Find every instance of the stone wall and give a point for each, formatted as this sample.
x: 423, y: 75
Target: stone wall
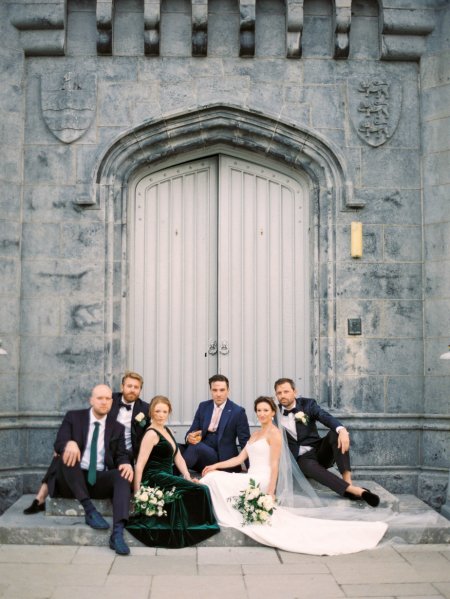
x: 319, y: 80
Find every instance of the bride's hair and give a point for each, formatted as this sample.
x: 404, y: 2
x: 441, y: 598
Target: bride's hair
x: 264, y: 399
x: 160, y: 399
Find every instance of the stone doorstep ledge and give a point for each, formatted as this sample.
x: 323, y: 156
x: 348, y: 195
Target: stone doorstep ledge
x: 71, y: 507
x: 414, y: 523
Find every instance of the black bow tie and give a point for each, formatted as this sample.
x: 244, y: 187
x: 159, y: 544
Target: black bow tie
x: 287, y: 412
x: 124, y: 405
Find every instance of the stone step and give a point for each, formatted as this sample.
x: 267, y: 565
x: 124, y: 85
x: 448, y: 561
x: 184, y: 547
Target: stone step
x: 411, y: 521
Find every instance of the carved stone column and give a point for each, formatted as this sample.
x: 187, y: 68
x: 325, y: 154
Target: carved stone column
x: 199, y: 27
x: 152, y: 18
x: 247, y: 28
x: 294, y: 28
x: 105, y: 16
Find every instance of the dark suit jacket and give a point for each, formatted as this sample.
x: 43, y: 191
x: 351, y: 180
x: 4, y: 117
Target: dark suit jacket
x: 75, y: 427
x: 307, y: 434
x: 137, y: 429
x: 233, y: 423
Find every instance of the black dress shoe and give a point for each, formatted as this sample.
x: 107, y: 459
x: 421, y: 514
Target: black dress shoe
x: 34, y: 508
x: 351, y: 496
x: 117, y: 544
x: 370, y: 498
x: 95, y: 520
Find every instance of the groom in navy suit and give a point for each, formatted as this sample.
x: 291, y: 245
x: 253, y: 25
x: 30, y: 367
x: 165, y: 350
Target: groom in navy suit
x: 217, y: 423
x: 315, y: 454
x: 93, y: 463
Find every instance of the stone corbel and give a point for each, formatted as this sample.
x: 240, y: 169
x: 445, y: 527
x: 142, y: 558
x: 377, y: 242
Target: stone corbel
x: 105, y: 16
x: 342, y: 21
x: 403, y: 32
x: 152, y: 18
x: 42, y: 27
x: 199, y: 27
x: 247, y: 28
x: 294, y: 28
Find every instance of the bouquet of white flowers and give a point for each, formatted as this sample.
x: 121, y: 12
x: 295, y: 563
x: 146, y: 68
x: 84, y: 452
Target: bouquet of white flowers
x: 150, y: 501
x: 253, y: 504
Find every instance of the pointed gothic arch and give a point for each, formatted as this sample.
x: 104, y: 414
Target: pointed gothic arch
x: 154, y: 143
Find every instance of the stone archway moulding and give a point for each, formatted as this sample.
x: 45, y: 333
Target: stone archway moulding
x: 156, y: 142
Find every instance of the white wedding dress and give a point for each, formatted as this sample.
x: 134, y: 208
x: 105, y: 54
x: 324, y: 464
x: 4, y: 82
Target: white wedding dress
x: 286, y: 530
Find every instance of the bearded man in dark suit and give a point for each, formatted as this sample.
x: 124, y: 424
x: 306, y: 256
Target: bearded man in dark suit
x: 315, y: 454
x: 93, y: 463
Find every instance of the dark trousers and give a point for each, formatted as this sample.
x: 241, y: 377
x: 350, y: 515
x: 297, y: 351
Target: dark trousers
x: 72, y: 482
x: 201, y: 454
x: 315, y: 463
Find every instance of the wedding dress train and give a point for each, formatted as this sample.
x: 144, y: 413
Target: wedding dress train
x: 287, y: 530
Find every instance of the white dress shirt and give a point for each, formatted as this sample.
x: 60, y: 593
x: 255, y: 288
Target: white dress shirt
x: 100, y: 443
x: 124, y: 417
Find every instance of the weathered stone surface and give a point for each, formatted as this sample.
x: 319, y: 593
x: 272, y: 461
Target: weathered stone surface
x: 404, y: 394
x: 393, y: 281
x: 44, y: 277
x: 49, y: 164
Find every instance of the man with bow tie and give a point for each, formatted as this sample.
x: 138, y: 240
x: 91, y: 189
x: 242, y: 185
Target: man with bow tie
x: 131, y: 411
x: 315, y: 454
x: 134, y: 417
x: 216, y: 425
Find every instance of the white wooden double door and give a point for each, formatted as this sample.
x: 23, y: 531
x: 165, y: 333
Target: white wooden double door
x: 219, y: 281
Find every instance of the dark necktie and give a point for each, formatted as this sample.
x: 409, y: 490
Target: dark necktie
x: 124, y: 405
x: 92, y: 472
x: 292, y: 411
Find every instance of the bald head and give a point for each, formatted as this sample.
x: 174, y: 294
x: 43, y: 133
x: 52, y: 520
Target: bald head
x: 101, y: 400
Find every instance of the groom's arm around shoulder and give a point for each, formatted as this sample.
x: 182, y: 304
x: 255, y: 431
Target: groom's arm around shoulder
x: 313, y: 410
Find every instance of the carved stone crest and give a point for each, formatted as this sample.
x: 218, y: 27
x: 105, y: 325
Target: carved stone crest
x: 68, y: 103
x: 375, y: 105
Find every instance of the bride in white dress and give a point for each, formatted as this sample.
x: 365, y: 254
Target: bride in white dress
x: 286, y: 530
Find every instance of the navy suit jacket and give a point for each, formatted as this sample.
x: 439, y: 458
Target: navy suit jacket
x: 233, y: 423
x: 307, y: 434
x: 137, y: 429
x: 75, y: 427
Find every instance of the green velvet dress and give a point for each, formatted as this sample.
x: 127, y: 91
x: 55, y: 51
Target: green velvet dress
x: 190, y: 518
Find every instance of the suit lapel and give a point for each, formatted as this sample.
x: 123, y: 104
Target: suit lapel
x: 85, y: 429
x: 226, y: 413
x: 209, y: 408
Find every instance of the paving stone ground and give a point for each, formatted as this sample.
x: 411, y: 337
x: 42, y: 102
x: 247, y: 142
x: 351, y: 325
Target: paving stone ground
x: 71, y: 572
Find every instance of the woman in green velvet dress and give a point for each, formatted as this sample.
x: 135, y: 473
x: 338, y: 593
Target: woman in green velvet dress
x: 190, y: 517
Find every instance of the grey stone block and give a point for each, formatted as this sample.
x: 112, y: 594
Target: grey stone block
x: 437, y: 243
x: 49, y: 164
x: 432, y: 488
x: 9, y: 314
x: 81, y: 30
x: 112, y: 109
x: 128, y: 36
x: 74, y: 277
x: 379, y: 356
x: 75, y: 390
x: 41, y: 240
x: 435, y: 285
x: 10, y: 163
x: 175, y: 28
x: 437, y: 317
x: 384, y: 281
x: 436, y: 448
x: 65, y: 355
x: 360, y: 394
x: 10, y: 491
x: 403, y: 318
x: 435, y: 69
x: 9, y: 275
x: 10, y: 200
x: 52, y: 204
x: 435, y: 207
x: 39, y: 393
x: 40, y: 318
x: 394, y: 206
x: 404, y: 394
x: 270, y: 34
x: 317, y: 36
x: 372, y: 242
x: 435, y: 102
x: 84, y: 242
x: 386, y: 448
x: 400, y: 168
x: 435, y: 168
x: 370, y: 312
x: 436, y: 394
x: 10, y: 392
x: 223, y: 33
x: 326, y: 105
x: 364, y: 37
x: 434, y: 348
x: 436, y: 135
x: 402, y: 244
x: 79, y: 318
x: 10, y: 442
x: 39, y: 447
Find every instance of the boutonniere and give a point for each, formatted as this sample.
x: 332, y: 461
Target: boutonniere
x: 302, y: 417
x: 140, y: 419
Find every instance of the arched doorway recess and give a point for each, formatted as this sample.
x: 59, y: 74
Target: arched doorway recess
x: 152, y: 146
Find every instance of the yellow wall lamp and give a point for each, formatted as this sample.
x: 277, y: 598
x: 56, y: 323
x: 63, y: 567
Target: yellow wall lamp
x: 356, y: 239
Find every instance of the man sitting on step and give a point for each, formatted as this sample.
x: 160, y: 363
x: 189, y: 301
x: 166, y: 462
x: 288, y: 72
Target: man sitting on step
x: 129, y: 410
x: 93, y: 463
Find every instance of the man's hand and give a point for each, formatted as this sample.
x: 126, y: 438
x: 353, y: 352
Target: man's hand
x: 194, y: 437
x: 71, y: 454
x: 126, y: 472
x: 343, y: 440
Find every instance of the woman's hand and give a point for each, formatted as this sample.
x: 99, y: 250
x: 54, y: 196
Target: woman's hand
x: 207, y: 469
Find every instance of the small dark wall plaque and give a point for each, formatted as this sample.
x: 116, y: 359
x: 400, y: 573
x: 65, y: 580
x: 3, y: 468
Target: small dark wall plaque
x: 354, y: 326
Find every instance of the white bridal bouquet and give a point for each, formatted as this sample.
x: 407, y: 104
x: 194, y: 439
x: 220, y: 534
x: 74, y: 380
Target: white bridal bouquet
x: 150, y: 501
x: 254, y: 506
